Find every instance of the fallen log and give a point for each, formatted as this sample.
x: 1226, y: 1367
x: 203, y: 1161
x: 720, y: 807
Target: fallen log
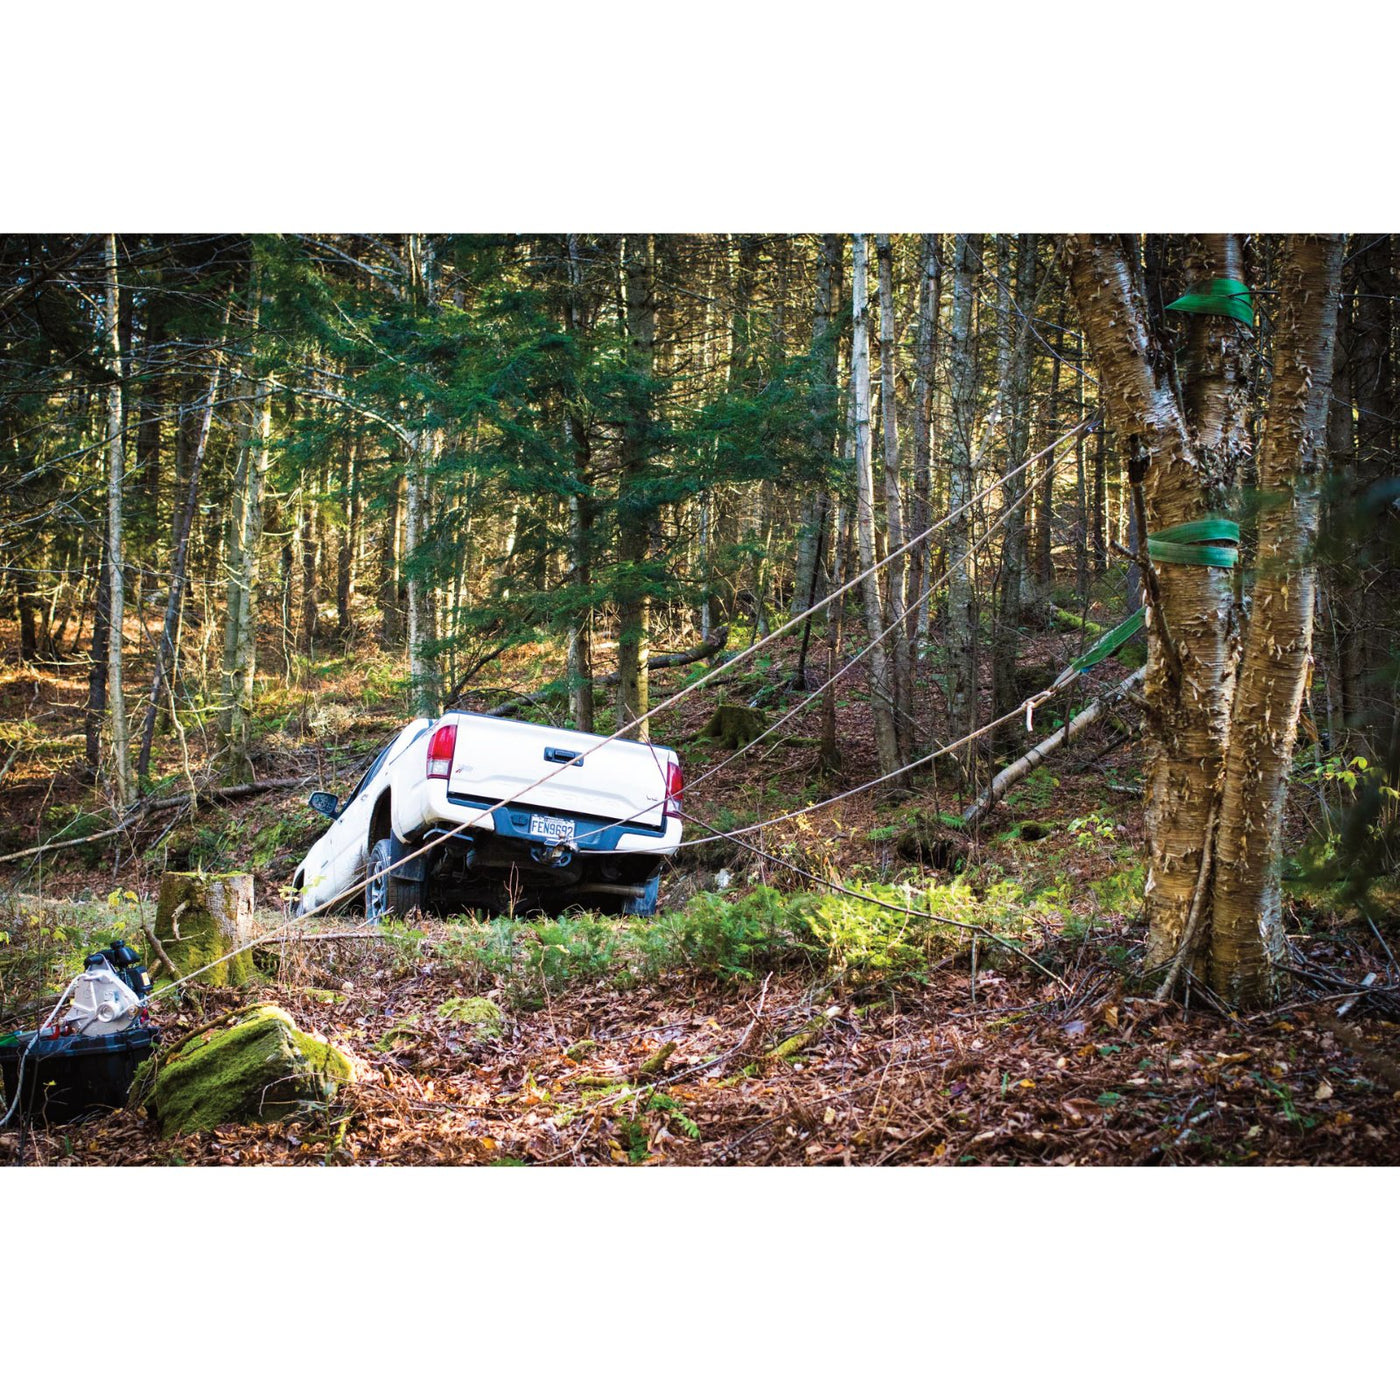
x: 711, y: 644
x: 162, y: 804
x: 1033, y: 758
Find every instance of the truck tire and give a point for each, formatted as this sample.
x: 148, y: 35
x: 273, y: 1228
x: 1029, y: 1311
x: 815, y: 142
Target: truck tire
x: 389, y: 896
x: 644, y: 904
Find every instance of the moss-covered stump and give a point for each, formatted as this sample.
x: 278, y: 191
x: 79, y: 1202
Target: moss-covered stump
x: 480, y: 1016
x: 201, y: 918
x: 258, y: 1068
x: 734, y: 725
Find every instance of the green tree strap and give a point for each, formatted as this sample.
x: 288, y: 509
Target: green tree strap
x: 1222, y: 296
x: 1179, y: 544
x: 1109, y: 642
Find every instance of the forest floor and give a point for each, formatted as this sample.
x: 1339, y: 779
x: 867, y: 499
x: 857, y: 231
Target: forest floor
x: 834, y: 1041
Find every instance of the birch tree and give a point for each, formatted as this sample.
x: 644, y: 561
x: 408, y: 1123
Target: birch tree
x: 1219, y: 738
x: 901, y: 652
x: 116, y: 594
x: 886, y: 731
x: 925, y: 353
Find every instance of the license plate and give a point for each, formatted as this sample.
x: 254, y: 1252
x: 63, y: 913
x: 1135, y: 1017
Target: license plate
x: 551, y: 828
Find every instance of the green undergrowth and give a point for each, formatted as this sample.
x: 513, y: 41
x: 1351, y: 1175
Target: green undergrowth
x: 860, y: 941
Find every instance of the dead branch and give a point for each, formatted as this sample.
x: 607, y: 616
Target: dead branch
x: 1033, y: 758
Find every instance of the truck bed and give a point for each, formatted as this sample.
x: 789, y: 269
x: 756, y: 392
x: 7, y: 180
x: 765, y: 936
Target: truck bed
x: 495, y: 758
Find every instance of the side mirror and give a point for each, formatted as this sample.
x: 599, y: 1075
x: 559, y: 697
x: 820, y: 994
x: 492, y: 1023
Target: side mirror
x: 326, y: 803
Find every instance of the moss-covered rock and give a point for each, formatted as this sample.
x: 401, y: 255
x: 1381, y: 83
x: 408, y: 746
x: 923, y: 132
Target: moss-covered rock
x: 482, y: 1016
x: 200, y: 919
x: 258, y: 1068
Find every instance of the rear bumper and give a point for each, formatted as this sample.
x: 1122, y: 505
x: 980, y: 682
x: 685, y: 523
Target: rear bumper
x: 592, y: 835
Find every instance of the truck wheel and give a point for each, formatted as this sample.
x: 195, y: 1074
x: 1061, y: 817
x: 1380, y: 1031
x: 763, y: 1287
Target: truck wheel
x: 386, y: 895
x: 644, y: 903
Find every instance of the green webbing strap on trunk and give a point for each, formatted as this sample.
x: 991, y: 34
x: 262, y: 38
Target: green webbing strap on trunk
x: 1180, y: 544
x: 1109, y: 643
x: 1222, y: 296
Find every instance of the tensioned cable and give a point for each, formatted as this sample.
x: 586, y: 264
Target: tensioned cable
x: 856, y: 659
x: 672, y: 700
x: 719, y: 670
x: 1033, y: 703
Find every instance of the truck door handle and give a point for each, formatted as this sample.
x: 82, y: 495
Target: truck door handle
x: 552, y: 755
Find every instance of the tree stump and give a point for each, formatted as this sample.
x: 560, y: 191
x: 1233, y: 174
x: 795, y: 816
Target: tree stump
x: 200, y: 918
x: 734, y: 725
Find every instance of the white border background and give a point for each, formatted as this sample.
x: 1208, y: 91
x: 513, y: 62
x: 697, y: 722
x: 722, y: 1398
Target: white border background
x: 726, y: 115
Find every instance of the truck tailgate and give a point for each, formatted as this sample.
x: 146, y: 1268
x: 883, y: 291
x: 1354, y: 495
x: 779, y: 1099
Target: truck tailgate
x: 495, y: 758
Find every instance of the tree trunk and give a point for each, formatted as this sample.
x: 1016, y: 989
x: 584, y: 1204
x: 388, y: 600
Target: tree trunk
x: 1247, y: 923
x: 901, y: 650
x: 1014, y: 501
x: 1219, y: 747
x: 580, y: 655
x: 808, y: 577
x: 390, y: 613
x: 121, y: 756
x: 97, y: 672
x: 245, y: 528
x: 1190, y: 678
x: 174, y: 605
x: 886, y: 731
x: 635, y: 511
x: 345, y: 554
x: 925, y: 349
x: 962, y: 599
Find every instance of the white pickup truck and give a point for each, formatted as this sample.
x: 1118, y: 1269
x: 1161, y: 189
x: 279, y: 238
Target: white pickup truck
x: 593, y: 833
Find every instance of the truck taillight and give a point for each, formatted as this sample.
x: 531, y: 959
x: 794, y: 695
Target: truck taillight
x: 674, y: 786
x: 440, y: 750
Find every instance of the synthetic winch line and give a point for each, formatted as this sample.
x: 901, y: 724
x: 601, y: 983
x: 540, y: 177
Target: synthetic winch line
x: 987, y: 535
x: 704, y: 680
x: 667, y: 703
x: 1034, y: 702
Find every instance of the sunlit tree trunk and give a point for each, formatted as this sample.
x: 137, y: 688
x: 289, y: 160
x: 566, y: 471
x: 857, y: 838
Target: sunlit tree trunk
x: 1220, y: 745
x: 901, y: 654
x: 635, y: 512
x: 1014, y: 499
x: 116, y: 703
x: 1247, y: 923
x: 962, y: 599
x: 1190, y: 683
x: 925, y: 350
x: 425, y: 443
x: 815, y: 531
x: 886, y: 734
x: 244, y: 546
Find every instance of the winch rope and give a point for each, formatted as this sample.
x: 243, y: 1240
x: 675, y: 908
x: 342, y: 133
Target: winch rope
x: 1032, y: 704
x: 810, y: 697
x: 759, y: 644
x: 704, y: 680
